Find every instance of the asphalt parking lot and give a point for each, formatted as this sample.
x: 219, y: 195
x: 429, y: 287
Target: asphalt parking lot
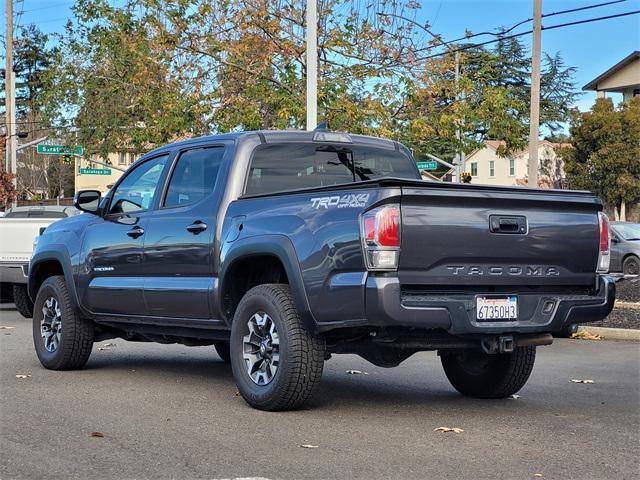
x: 170, y: 411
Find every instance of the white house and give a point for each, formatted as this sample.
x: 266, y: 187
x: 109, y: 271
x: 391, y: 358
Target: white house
x: 486, y: 167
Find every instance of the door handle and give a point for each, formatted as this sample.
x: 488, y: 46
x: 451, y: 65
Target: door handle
x: 513, y: 224
x: 136, y: 232
x: 197, y: 227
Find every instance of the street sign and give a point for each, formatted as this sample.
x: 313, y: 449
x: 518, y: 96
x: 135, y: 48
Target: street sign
x: 59, y: 150
x: 427, y: 165
x: 95, y: 171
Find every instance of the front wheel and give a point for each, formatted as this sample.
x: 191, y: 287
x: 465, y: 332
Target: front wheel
x: 477, y: 374
x: 276, y: 361
x: 62, y: 339
x: 631, y: 265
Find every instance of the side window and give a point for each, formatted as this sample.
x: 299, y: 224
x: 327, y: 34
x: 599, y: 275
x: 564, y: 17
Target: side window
x: 135, y: 193
x: 194, y: 176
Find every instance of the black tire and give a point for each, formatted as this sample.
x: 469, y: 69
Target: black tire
x: 76, y: 338
x: 301, y: 354
x: 477, y: 374
x: 631, y: 265
x: 6, y: 293
x: 24, y: 305
x: 223, y: 351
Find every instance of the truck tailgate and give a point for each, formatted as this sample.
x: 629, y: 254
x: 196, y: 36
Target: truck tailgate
x: 491, y: 236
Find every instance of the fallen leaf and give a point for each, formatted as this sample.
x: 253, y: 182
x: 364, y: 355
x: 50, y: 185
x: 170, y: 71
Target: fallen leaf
x: 356, y: 372
x: 309, y: 446
x: 537, y: 475
x: 23, y: 376
x: 514, y: 396
x: 106, y: 346
x: 448, y: 429
x: 97, y: 434
x: 586, y: 335
x: 2, y: 327
x: 577, y: 380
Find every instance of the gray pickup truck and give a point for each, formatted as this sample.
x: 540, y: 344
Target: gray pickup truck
x: 282, y: 248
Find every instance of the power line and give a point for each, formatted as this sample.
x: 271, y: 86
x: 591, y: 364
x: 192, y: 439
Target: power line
x: 515, y: 35
x: 514, y: 26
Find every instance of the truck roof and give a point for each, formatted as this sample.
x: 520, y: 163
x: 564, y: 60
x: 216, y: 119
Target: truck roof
x: 273, y: 136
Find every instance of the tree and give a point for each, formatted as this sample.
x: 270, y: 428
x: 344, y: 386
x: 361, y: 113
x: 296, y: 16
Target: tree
x: 7, y: 190
x: 605, y: 153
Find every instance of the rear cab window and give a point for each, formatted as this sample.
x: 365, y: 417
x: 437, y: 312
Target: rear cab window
x: 293, y: 166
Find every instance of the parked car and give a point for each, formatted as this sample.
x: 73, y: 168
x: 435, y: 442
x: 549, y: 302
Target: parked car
x: 625, y: 248
x: 18, y: 228
x: 282, y: 248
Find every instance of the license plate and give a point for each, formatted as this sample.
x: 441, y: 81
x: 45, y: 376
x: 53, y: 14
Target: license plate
x: 490, y: 309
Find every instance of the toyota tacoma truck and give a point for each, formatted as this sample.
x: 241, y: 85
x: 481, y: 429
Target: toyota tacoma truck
x: 281, y: 248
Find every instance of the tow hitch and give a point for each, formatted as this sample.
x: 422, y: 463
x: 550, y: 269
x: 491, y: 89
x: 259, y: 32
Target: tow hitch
x: 508, y: 343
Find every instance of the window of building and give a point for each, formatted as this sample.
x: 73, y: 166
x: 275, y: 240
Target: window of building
x: 512, y: 167
x: 132, y: 157
x: 474, y: 169
x: 194, y: 176
x: 492, y: 168
x: 122, y: 158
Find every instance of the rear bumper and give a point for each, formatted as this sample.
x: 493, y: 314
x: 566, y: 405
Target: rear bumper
x: 14, y: 272
x: 456, y: 314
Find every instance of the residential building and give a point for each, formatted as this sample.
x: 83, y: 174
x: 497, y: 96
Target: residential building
x: 487, y: 167
x: 91, y: 175
x: 623, y: 77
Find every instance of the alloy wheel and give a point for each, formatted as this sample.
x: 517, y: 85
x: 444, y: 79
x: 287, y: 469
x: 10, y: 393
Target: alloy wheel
x: 51, y: 324
x: 261, y: 349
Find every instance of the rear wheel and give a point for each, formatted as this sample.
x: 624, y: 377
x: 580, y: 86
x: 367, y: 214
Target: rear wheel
x: 276, y: 362
x: 631, y: 265
x: 62, y: 339
x: 481, y: 375
x: 24, y: 305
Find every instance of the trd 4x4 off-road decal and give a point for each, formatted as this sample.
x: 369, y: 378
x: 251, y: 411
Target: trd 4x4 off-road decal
x: 351, y: 200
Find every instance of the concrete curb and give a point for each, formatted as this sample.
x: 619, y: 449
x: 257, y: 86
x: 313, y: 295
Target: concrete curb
x: 613, y: 333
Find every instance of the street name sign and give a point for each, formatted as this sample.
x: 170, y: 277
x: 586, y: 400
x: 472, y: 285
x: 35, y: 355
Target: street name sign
x: 95, y: 171
x: 427, y: 165
x: 59, y: 150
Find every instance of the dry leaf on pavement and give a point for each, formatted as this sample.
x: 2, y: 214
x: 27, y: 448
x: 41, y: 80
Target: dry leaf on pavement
x: 448, y: 429
x: 586, y: 335
x: 2, y: 327
x: 537, y: 475
x: 106, y: 346
x: 97, y: 434
x: 23, y: 376
x: 309, y: 446
x: 514, y: 396
x: 577, y: 380
x: 356, y: 372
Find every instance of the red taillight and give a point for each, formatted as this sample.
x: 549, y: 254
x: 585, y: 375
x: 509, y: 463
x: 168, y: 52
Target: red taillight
x: 604, y: 257
x: 381, y: 237
x: 604, y: 233
x: 389, y: 227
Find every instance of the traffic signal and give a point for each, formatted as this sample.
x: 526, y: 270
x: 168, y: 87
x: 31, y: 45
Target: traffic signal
x: 465, y: 177
x: 67, y: 158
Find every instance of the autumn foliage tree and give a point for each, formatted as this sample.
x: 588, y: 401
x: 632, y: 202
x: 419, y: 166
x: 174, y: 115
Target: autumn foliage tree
x: 605, y: 153
x: 144, y: 72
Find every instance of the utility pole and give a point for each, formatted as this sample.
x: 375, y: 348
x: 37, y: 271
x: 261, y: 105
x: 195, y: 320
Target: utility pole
x: 460, y: 155
x: 312, y: 65
x: 534, y: 117
x: 10, y: 96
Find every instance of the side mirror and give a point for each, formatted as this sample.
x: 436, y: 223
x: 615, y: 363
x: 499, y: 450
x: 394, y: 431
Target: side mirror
x: 87, y: 201
x: 615, y: 239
